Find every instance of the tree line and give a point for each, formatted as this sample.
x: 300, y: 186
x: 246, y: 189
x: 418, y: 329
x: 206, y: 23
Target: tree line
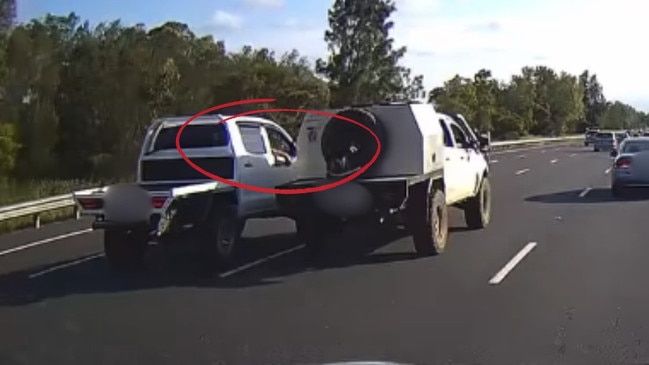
x: 75, y: 98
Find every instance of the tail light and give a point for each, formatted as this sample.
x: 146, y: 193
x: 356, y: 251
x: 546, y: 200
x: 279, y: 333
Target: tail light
x: 90, y: 203
x: 623, y: 163
x: 158, y: 202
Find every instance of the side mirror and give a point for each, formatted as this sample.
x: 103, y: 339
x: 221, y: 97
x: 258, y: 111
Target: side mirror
x: 613, y: 153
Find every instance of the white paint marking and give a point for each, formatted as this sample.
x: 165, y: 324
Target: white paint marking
x: 520, y: 172
x: 607, y: 171
x: 573, y: 154
x: 493, y: 161
x: 520, y: 156
x: 260, y: 261
x: 500, y: 276
x: 44, y: 241
x: 586, y: 191
x: 63, y: 266
x: 554, y: 161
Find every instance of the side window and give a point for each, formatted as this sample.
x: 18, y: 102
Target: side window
x: 461, y: 139
x: 278, y: 142
x: 253, y: 141
x: 448, y: 140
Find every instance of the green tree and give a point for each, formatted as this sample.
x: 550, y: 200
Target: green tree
x: 363, y: 65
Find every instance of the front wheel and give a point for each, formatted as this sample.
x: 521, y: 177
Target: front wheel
x: 125, y: 249
x: 477, y: 212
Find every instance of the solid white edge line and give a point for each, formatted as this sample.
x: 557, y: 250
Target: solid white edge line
x: 520, y: 172
x: 44, y: 241
x: 586, y: 191
x: 500, y: 276
x: 260, y: 261
x: 63, y: 266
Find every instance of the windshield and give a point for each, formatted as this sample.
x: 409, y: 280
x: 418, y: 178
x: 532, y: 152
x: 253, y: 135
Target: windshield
x: 193, y: 136
x: 605, y: 135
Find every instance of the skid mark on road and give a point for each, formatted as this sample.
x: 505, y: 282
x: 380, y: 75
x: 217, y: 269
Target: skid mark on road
x: 500, y: 275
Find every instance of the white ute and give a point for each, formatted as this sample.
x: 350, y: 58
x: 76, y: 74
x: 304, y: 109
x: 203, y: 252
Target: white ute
x: 172, y: 200
x: 428, y: 161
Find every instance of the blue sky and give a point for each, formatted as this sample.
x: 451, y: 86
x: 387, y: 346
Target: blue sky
x: 444, y: 37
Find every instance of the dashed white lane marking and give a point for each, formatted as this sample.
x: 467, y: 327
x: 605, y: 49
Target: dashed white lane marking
x: 260, y: 261
x: 44, y: 241
x: 573, y: 154
x: 493, y: 161
x: 63, y: 266
x: 584, y: 192
x: 607, y: 171
x: 520, y: 172
x: 521, y: 156
x: 500, y: 275
x: 554, y: 161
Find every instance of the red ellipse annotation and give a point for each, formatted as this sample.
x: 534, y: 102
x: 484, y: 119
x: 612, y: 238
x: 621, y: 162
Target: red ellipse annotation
x: 266, y: 189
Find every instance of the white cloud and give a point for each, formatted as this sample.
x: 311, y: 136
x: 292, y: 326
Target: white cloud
x: 224, y: 20
x: 265, y: 3
x: 604, y: 36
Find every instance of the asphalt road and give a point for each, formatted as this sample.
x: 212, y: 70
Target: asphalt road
x: 557, y: 278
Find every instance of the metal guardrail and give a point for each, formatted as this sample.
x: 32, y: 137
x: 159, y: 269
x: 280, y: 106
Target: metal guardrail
x: 37, y: 207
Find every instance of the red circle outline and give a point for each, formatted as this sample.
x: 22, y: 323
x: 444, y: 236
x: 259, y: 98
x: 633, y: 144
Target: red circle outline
x: 272, y: 190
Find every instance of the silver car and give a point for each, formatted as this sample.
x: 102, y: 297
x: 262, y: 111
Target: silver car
x: 630, y: 165
x: 605, y: 141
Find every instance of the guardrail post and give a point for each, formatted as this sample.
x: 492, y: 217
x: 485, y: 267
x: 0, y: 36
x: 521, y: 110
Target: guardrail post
x: 37, y: 221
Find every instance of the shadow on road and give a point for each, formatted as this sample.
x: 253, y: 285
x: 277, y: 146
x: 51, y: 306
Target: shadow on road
x: 93, y: 276
x: 599, y: 195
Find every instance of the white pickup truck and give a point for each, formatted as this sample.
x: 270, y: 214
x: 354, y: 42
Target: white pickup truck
x: 428, y: 161
x: 170, y: 199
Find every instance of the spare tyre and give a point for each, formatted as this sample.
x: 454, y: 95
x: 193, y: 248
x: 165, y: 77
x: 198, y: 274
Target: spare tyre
x: 347, y: 147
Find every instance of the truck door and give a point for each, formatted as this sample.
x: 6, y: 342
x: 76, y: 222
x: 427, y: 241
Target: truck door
x: 254, y: 168
x: 453, y: 164
x: 284, y: 153
x: 470, y: 160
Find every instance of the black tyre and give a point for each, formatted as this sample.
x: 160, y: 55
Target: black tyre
x: 617, y: 191
x: 313, y: 232
x: 125, y: 249
x: 477, y: 212
x: 220, y: 242
x: 427, y: 221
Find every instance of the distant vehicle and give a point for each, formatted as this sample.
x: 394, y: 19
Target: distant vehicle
x: 621, y: 136
x: 631, y: 165
x: 589, y: 137
x: 605, y: 141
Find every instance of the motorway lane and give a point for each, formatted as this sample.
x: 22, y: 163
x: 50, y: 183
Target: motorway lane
x: 388, y: 306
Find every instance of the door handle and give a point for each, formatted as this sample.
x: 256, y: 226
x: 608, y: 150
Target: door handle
x: 247, y: 164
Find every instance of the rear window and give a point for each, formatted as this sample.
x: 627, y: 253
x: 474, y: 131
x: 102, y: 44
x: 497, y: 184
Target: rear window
x: 604, y: 135
x: 193, y: 136
x: 635, y: 147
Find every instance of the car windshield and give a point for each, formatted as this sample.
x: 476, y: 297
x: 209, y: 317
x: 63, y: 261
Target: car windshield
x: 635, y: 146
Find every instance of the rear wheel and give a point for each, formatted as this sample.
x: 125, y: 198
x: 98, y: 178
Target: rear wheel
x: 427, y: 221
x: 125, y: 249
x: 617, y: 191
x: 221, y: 240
